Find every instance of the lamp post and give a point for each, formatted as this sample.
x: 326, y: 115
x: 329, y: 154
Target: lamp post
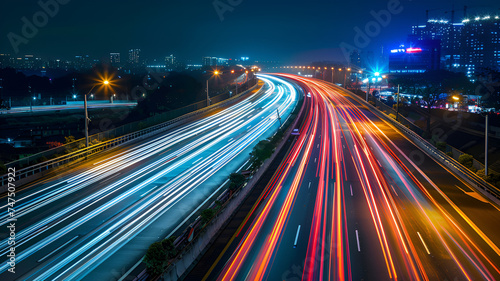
x: 105, y: 83
x: 345, y: 76
x: 216, y: 72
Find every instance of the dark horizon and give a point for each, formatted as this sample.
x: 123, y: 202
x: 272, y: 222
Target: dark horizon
x: 286, y: 31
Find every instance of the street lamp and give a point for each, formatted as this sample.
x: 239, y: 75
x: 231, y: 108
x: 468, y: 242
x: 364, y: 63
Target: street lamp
x: 345, y: 76
x: 105, y: 83
x: 216, y: 72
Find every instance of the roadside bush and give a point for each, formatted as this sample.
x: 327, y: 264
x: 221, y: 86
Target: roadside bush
x: 236, y: 180
x: 207, y: 215
x: 449, y: 153
x: 467, y: 160
x: 441, y: 145
x: 155, y: 258
x: 262, y: 151
x: 493, y: 177
x: 158, y: 254
x: 69, y: 139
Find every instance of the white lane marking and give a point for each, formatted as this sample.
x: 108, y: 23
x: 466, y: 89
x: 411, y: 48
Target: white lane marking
x: 148, y: 191
x: 394, y: 190
x: 427, y: 249
x: 309, y: 185
x: 357, y: 239
x: 343, y: 146
x: 317, y: 146
x: 197, y: 161
x: 351, y: 189
x: 296, y: 237
x: 379, y: 164
x: 315, y: 160
x: 57, y: 249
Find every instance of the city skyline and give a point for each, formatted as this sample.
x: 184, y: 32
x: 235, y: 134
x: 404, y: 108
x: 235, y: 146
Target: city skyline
x: 206, y: 28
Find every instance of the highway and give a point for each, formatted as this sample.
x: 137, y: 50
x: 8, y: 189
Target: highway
x: 356, y: 200
x: 96, y: 220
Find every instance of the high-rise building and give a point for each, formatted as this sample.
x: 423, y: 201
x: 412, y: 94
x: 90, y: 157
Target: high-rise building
x: 5, y: 60
x: 134, y: 56
x: 355, y: 58
x: 449, y: 35
x: 115, y: 58
x: 222, y: 62
x: 416, y: 57
x: 209, y: 61
x: 170, y: 61
x: 480, y: 44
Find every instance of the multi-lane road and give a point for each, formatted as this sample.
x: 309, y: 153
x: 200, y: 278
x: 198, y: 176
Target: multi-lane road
x: 96, y: 220
x: 356, y: 200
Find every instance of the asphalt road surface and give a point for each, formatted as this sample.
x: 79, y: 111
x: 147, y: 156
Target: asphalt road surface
x: 96, y: 220
x: 355, y: 200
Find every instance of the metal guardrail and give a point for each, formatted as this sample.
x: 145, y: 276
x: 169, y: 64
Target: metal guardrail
x: 442, y: 157
x: 85, y: 152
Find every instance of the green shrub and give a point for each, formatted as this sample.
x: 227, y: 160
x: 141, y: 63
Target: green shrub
x: 236, y: 181
x: 158, y: 254
x: 69, y: 139
x: 155, y: 258
x: 441, y: 145
x: 493, y: 177
x: 449, y: 153
x: 262, y: 151
x: 207, y: 215
x: 467, y: 160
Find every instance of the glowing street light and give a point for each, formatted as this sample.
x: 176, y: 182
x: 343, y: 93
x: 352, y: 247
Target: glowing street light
x: 456, y: 98
x: 102, y: 83
x: 216, y: 73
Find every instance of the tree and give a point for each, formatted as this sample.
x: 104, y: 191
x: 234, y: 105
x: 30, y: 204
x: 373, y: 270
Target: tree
x: 207, y: 215
x: 158, y: 254
x: 467, y: 160
x: 236, y: 180
x: 262, y: 151
x: 155, y: 258
x: 169, y: 247
x: 488, y: 86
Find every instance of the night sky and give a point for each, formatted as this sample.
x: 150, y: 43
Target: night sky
x: 284, y: 30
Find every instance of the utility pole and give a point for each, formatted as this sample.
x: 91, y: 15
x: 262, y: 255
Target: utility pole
x: 86, y: 122
x: 397, y: 106
x: 208, y: 98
